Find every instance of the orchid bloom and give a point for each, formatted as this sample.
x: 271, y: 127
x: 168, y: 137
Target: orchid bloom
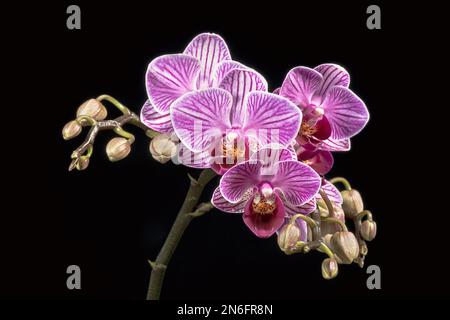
x: 231, y: 122
x: 268, y: 188
x: 203, y: 64
x: 332, y: 113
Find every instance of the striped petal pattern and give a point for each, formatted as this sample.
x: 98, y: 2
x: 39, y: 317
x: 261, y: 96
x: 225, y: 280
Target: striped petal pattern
x: 223, y: 69
x: 332, y: 192
x: 199, y: 118
x: 271, y: 118
x: 333, y: 75
x: 297, y: 182
x: 210, y: 50
x: 221, y: 203
x: 169, y: 77
x: 155, y: 120
x: 239, y: 179
x: 240, y: 82
x: 300, y: 85
x: 335, y: 145
x: 345, y: 111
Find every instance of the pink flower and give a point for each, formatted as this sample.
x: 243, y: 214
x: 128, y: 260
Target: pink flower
x: 268, y: 188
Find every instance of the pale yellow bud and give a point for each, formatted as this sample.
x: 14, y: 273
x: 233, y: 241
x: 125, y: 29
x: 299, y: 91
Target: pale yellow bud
x: 368, y: 230
x: 163, y: 147
x: 71, y: 130
x: 117, y: 149
x: 82, y: 163
x: 329, y: 268
x: 345, y: 246
x: 353, y: 203
x: 288, y: 236
x: 92, y: 108
x: 327, y: 227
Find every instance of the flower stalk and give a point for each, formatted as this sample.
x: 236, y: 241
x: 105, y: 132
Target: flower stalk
x: 184, y: 217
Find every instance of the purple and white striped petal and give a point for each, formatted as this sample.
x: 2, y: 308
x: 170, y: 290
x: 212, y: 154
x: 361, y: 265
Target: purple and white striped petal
x: 199, y: 118
x: 223, y: 69
x: 333, y: 75
x: 169, y: 77
x: 155, y: 120
x: 332, y: 192
x: 239, y: 179
x: 240, y: 82
x: 334, y: 145
x: 272, y: 154
x: 305, y: 208
x: 300, y: 85
x: 345, y: 111
x: 277, y: 90
x: 221, y: 203
x: 271, y: 118
x: 209, y: 49
x: 297, y: 182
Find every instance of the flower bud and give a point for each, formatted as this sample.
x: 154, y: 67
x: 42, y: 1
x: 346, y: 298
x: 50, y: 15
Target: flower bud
x: 163, y: 147
x: 117, y: 149
x: 368, y: 230
x: 71, y: 130
x: 82, y: 163
x: 353, y: 203
x: 327, y: 227
x: 288, y: 236
x: 329, y: 268
x: 345, y: 246
x: 92, y: 108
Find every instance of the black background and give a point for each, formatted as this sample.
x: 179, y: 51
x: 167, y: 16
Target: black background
x: 112, y: 217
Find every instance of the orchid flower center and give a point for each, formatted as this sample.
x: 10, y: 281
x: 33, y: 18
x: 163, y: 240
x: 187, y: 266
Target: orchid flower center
x: 264, y: 201
x: 233, y: 147
x: 311, y: 115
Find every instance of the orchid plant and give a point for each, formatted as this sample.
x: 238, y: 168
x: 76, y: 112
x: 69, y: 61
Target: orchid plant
x: 270, y: 149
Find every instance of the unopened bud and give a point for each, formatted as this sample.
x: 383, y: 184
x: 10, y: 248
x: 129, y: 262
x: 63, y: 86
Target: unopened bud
x: 92, y: 108
x: 352, y: 203
x: 288, y: 236
x: 71, y: 130
x: 327, y: 227
x: 368, y: 230
x: 163, y: 147
x: 82, y: 163
x: 329, y: 268
x: 345, y: 246
x: 117, y: 149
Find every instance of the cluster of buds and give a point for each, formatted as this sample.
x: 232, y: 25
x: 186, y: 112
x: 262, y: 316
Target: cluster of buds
x: 91, y: 114
x: 327, y: 231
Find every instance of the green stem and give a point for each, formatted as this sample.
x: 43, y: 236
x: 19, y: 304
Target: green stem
x: 184, y: 217
x: 334, y: 220
x: 114, y: 102
x: 343, y: 181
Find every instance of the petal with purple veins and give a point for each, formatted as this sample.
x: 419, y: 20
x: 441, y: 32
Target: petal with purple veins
x: 296, y: 181
x: 300, y: 85
x: 239, y: 179
x: 332, y: 192
x: 223, y: 69
x: 345, y: 111
x: 199, y: 118
x: 271, y: 118
x: 155, y: 120
x: 334, y: 145
x: 333, y: 75
x: 169, y: 77
x: 210, y: 50
x: 221, y: 203
x: 240, y: 82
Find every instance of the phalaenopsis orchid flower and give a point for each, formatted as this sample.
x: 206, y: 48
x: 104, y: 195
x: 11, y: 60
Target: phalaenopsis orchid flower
x: 268, y: 188
x: 272, y: 149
